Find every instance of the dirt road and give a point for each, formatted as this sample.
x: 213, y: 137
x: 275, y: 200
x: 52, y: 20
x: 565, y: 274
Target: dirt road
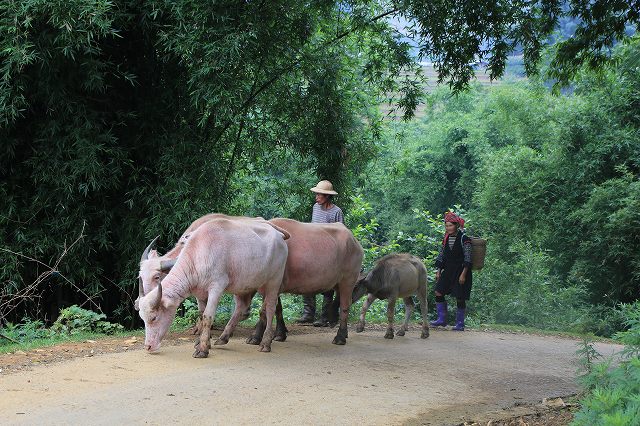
x: 446, y: 379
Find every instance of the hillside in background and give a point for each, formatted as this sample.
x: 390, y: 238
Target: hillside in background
x: 513, y: 72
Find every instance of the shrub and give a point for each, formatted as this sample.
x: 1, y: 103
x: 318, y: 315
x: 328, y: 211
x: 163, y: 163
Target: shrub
x: 612, y: 390
x: 74, y: 319
x: 25, y: 331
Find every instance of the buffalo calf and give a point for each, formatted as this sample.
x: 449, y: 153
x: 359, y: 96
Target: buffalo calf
x: 395, y: 275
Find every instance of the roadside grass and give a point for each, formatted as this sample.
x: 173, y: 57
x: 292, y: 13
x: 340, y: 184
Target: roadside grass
x: 520, y: 329
x: 180, y: 325
x: 32, y: 334
x: 6, y: 346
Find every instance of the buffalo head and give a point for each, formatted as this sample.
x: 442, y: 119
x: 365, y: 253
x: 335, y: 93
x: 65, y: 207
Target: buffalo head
x: 153, y: 269
x: 158, y: 313
x: 361, y: 288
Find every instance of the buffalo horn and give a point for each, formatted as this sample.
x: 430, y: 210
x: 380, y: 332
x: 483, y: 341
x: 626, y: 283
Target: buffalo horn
x: 145, y: 254
x: 166, y: 265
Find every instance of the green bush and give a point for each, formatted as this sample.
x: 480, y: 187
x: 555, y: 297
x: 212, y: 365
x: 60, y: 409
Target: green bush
x: 74, y: 320
x: 25, y: 331
x: 612, y: 390
x: 187, y: 315
x: 526, y: 292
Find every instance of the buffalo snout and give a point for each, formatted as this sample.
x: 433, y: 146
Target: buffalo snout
x: 151, y: 349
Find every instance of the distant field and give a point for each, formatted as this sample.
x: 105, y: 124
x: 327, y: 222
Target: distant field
x: 513, y: 72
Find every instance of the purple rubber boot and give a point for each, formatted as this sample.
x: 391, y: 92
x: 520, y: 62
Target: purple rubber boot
x: 442, y: 315
x: 459, y: 320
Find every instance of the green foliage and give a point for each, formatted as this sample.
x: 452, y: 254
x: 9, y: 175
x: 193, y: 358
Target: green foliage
x: 523, y: 291
x: 631, y: 336
x: 25, y: 331
x: 122, y: 120
x: 74, y: 320
x: 550, y: 181
x: 187, y: 315
x: 613, y: 388
x: 366, y: 229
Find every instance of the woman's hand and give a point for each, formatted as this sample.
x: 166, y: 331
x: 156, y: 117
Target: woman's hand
x: 463, y: 276
x: 438, y: 275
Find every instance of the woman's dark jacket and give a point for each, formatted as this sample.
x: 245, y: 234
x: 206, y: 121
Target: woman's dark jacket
x: 452, y: 261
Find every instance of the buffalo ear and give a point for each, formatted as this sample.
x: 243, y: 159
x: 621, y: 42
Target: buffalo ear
x: 166, y: 265
x: 136, y: 303
x: 158, y: 299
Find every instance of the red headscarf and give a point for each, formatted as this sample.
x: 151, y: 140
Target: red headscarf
x: 453, y: 218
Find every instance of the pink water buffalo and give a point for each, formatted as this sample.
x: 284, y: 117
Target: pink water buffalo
x: 395, y: 275
x: 158, y: 266
x: 321, y: 257
x: 221, y: 255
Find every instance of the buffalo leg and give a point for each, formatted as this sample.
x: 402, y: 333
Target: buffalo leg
x: 258, y: 332
x: 281, y: 328
x: 269, y: 303
x: 422, y: 298
x: 202, y: 349
x: 391, y: 310
x: 363, y: 312
x: 408, y: 310
x: 345, y: 289
x: 242, y: 302
x: 333, y: 310
x: 198, y: 327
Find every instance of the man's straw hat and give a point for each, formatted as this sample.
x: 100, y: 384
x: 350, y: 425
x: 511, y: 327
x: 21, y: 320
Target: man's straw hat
x: 324, y: 187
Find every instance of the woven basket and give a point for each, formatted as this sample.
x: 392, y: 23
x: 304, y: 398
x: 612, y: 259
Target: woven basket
x: 478, y: 251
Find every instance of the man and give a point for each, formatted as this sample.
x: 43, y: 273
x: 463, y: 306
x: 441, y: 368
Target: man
x: 324, y: 211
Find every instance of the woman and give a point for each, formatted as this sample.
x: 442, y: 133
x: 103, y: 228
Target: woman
x: 453, y: 275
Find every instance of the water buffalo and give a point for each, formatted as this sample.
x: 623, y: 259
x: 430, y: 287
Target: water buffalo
x: 321, y: 257
x: 221, y: 255
x: 395, y: 275
x: 159, y: 265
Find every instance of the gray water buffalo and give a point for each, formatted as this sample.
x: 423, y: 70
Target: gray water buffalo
x: 221, y: 255
x: 395, y: 275
x: 321, y: 257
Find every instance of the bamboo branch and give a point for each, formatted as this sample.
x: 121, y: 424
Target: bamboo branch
x: 30, y: 291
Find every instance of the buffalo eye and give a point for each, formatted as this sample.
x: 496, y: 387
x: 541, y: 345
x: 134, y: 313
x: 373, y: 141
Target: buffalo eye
x: 155, y: 317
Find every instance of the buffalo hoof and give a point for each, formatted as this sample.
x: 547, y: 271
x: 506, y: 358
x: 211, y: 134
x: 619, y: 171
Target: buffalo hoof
x: 265, y: 348
x: 359, y: 328
x: 200, y: 354
x: 253, y: 340
x: 339, y: 340
x: 280, y: 338
x: 389, y: 334
x: 221, y: 341
x: 425, y: 334
x: 400, y: 332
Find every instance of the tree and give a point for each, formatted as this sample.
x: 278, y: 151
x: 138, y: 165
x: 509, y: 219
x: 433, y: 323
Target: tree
x: 128, y: 119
